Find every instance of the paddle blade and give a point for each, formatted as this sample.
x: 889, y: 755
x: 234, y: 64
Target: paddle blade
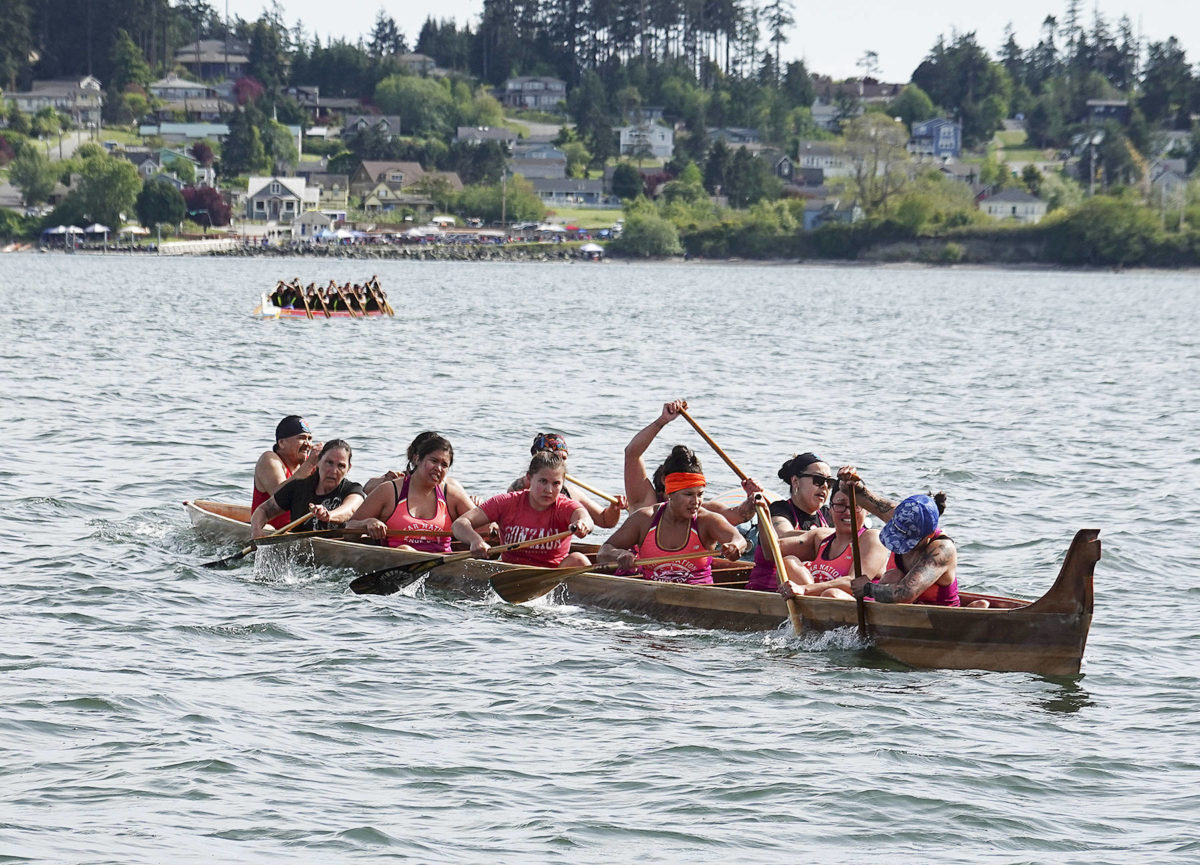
x: 230, y: 561
x: 385, y: 582
x: 518, y: 585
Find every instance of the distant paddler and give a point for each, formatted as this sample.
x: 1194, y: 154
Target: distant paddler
x: 420, y: 499
x: 604, y: 516
x: 679, y: 525
x: 539, y: 511
x: 326, y: 494
x: 294, y: 453
x: 642, y: 491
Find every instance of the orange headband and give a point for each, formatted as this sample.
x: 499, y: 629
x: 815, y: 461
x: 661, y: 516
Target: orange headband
x: 676, y: 481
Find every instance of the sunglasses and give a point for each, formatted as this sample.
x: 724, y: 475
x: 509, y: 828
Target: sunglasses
x: 820, y: 480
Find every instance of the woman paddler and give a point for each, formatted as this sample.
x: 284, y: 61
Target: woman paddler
x: 809, y: 479
x: 923, y: 566
x: 539, y: 511
x: 679, y: 525
x: 828, y: 556
x: 326, y: 493
x: 604, y: 516
x: 294, y: 453
x: 419, y: 499
x: 641, y: 491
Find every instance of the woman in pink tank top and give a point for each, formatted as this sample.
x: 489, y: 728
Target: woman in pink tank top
x: 419, y: 500
x: 679, y: 525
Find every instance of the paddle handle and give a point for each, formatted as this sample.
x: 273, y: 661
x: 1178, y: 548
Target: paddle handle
x: 712, y: 444
x: 288, y: 527
x: 532, y: 542
x: 590, y: 489
x: 860, y: 600
x: 766, y: 532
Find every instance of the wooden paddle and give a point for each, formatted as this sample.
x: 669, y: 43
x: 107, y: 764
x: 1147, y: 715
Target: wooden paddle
x: 376, y: 290
x: 712, y: 444
x: 254, y: 542
x: 342, y: 295
x: 320, y: 297
x: 592, y: 490
x: 859, y: 598
x: 388, y: 581
x: 349, y: 533
x: 766, y: 533
x: 519, y: 585
x: 304, y: 298
x: 362, y: 306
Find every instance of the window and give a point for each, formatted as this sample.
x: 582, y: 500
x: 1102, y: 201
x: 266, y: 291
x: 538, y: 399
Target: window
x: 275, y: 188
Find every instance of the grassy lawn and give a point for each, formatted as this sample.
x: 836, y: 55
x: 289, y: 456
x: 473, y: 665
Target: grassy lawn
x: 119, y: 135
x: 1011, y: 139
x: 1028, y: 154
x: 585, y: 217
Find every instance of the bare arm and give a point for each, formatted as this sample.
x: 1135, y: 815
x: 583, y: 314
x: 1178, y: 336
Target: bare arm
x: 371, y: 485
x: 638, y: 488
x: 880, y: 506
x: 464, y: 529
x: 715, y: 529
x: 262, y: 515
x: 370, y: 514
x: 620, y: 544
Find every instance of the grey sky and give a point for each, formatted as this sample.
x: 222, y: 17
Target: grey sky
x: 831, y: 37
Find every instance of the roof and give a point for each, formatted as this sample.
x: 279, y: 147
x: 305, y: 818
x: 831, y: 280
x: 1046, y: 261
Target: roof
x: 1014, y: 196
x: 174, y: 80
x: 412, y: 171
x: 487, y: 133
x: 569, y: 184
x: 294, y: 185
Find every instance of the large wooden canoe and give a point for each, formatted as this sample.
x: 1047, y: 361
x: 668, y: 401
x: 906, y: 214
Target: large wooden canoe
x: 1045, y: 636
x: 267, y: 309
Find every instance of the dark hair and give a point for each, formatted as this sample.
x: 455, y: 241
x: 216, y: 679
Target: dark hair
x: 681, y: 459
x: 337, y: 443
x: 546, y: 460
x: 425, y: 444
x: 796, y: 465
x: 939, y: 499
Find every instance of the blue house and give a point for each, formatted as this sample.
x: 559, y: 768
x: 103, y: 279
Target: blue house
x: 940, y: 137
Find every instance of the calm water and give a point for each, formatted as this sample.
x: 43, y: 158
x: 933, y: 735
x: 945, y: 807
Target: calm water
x: 157, y: 711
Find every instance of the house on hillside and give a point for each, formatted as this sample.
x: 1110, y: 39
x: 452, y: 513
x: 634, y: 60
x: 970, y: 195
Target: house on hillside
x: 939, y: 137
x: 1100, y: 110
x: 307, y: 225
x: 542, y: 160
x: 415, y: 64
x: 647, y: 139
x: 732, y: 136
x: 214, y: 59
x: 571, y: 192
x: 479, y: 134
x: 537, y: 92
x: 395, y: 175
x: 278, y: 199
x: 387, y: 125
x: 1014, y: 205
x: 333, y: 191
x: 825, y: 155
x: 80, y: 99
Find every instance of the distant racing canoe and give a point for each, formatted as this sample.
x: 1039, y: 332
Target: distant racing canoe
x: 266, y: 309
x: 1045, y: 636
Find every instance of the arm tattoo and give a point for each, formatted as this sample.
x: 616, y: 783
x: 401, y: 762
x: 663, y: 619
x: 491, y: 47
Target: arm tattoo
x: 880, y: 506
x: 929, y: 566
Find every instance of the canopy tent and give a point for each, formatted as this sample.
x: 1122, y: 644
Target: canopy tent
x: 545, y: 226
x: 74, y: 229
x: 58, y: 229
x: 97, y: 228
x: 444, y: 220
x: 592, y: 249
x: 133, y: 229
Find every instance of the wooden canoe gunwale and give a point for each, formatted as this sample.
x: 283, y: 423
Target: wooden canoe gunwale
x: 1046, y: 636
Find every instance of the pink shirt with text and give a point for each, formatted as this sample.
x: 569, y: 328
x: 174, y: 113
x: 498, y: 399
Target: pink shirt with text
x: 518, y: 522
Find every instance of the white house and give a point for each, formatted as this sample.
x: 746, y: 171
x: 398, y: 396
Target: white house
x: 647, y: 139
x: 78, y: 98
x: 826, y: 156
x: 279, y: 199
x: 540, y: 92
x: 1013, y: 205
